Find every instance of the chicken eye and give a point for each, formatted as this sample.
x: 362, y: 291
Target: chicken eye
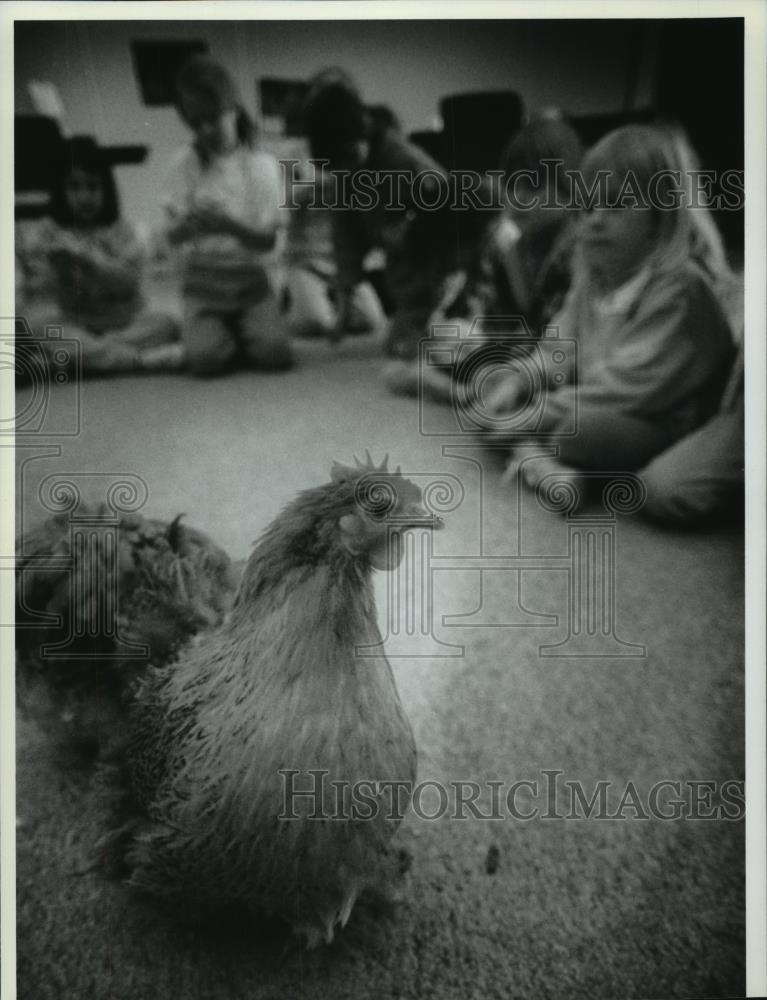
x: 376, y: 497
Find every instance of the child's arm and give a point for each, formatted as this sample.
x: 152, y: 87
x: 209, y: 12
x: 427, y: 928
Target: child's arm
x: 213, y: 220
x: 350, y: 245
x: 119, y: 259
x: 179, y: 230
x: 506, y: 391
x: 255, y: 226
x: 668, y: 355
x: 114, y: 261
x: 258, y: 226
x: 179, y: 224
x: 34, y: 276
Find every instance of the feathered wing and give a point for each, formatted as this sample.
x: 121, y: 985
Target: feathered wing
x: 215, y: 739
x: 136, y: 595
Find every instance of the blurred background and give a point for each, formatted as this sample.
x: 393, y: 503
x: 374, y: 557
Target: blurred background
x: 459, y: 88
x: 577, y: 910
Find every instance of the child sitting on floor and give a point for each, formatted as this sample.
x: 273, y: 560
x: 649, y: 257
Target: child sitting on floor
x: 406, y: 205
x: 222, y: 206
x: 80, y: 269
x: 526, y: 270
x: 646, y: 311
x: 699, y: 480
x: 523, y: 270
x: 311, y: 299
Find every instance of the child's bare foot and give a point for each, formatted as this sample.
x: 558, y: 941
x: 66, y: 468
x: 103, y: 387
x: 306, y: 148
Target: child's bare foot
x: 558, y: 486
x: 164, y: 358
x: 407, y: 378
x: 401, y: 377
x: 437, y: 385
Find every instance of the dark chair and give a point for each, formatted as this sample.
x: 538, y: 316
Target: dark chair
x: 432, y: 143
x: 38, y: 150
x: 591, y: 128
x: 37, y: 154
x: 477, y: 127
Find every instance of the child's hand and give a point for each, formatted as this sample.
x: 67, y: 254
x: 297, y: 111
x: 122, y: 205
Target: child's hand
x: 465, y: 327
x: 210, y: 219
x: 65, y: 243
x: 502, y: 397
x: 199, y: 221
x: 59, y: 256
x: 338, y: 330
x: 70, y: 264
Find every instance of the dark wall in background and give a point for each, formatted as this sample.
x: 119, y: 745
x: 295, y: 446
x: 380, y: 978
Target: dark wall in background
x: 690, y: 69
x: 409, y: 65
x: 700, y: 83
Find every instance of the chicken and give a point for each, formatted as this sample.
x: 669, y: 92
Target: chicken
x: 279, y: 687
x: 171, y: 581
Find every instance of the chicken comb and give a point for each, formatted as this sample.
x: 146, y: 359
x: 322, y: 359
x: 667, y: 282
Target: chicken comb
x: 340, y: 473
x: 175, y: 532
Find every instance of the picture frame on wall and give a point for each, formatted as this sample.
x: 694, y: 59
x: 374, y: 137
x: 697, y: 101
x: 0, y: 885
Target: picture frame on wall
x: 156, y: 64
x: 282, y: 103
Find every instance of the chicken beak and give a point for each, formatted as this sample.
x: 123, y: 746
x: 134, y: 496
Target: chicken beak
x: 417, y: 516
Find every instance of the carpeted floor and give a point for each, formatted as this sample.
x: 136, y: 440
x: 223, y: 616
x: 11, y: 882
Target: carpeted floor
x: 489, y: 908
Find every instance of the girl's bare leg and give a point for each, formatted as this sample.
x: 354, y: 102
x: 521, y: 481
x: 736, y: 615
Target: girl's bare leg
x: 99, y: 354
x: 263, y: 336
x: 157, y: 339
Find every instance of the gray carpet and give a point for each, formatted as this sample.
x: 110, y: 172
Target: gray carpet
x: 489, y: 908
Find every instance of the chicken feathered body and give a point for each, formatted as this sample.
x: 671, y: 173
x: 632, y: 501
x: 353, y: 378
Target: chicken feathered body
x: 163, y: 582
x: 278, y: 688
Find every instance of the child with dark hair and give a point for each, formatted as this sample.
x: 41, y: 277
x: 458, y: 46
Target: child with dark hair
x: 337, y: 121
x: 85, y: 186
x: 527, y: 270
x: 81, y: 270
x: 222, y: 208
x: 382, y: 117
x: 314, y: 306
x: 407, y: 208
x: 310, y: 297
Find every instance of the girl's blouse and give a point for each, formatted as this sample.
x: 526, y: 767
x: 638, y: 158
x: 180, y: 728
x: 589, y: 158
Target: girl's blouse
x: 659, y: 347
x: 245, y: 184
x: 106, y: 294
x: 521, y: 273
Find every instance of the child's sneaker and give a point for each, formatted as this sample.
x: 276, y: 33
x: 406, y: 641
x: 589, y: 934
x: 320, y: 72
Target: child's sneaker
x: 406, y: 378
x: 558, y: 486
x: 165, y: 358
x: 401, y: 377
